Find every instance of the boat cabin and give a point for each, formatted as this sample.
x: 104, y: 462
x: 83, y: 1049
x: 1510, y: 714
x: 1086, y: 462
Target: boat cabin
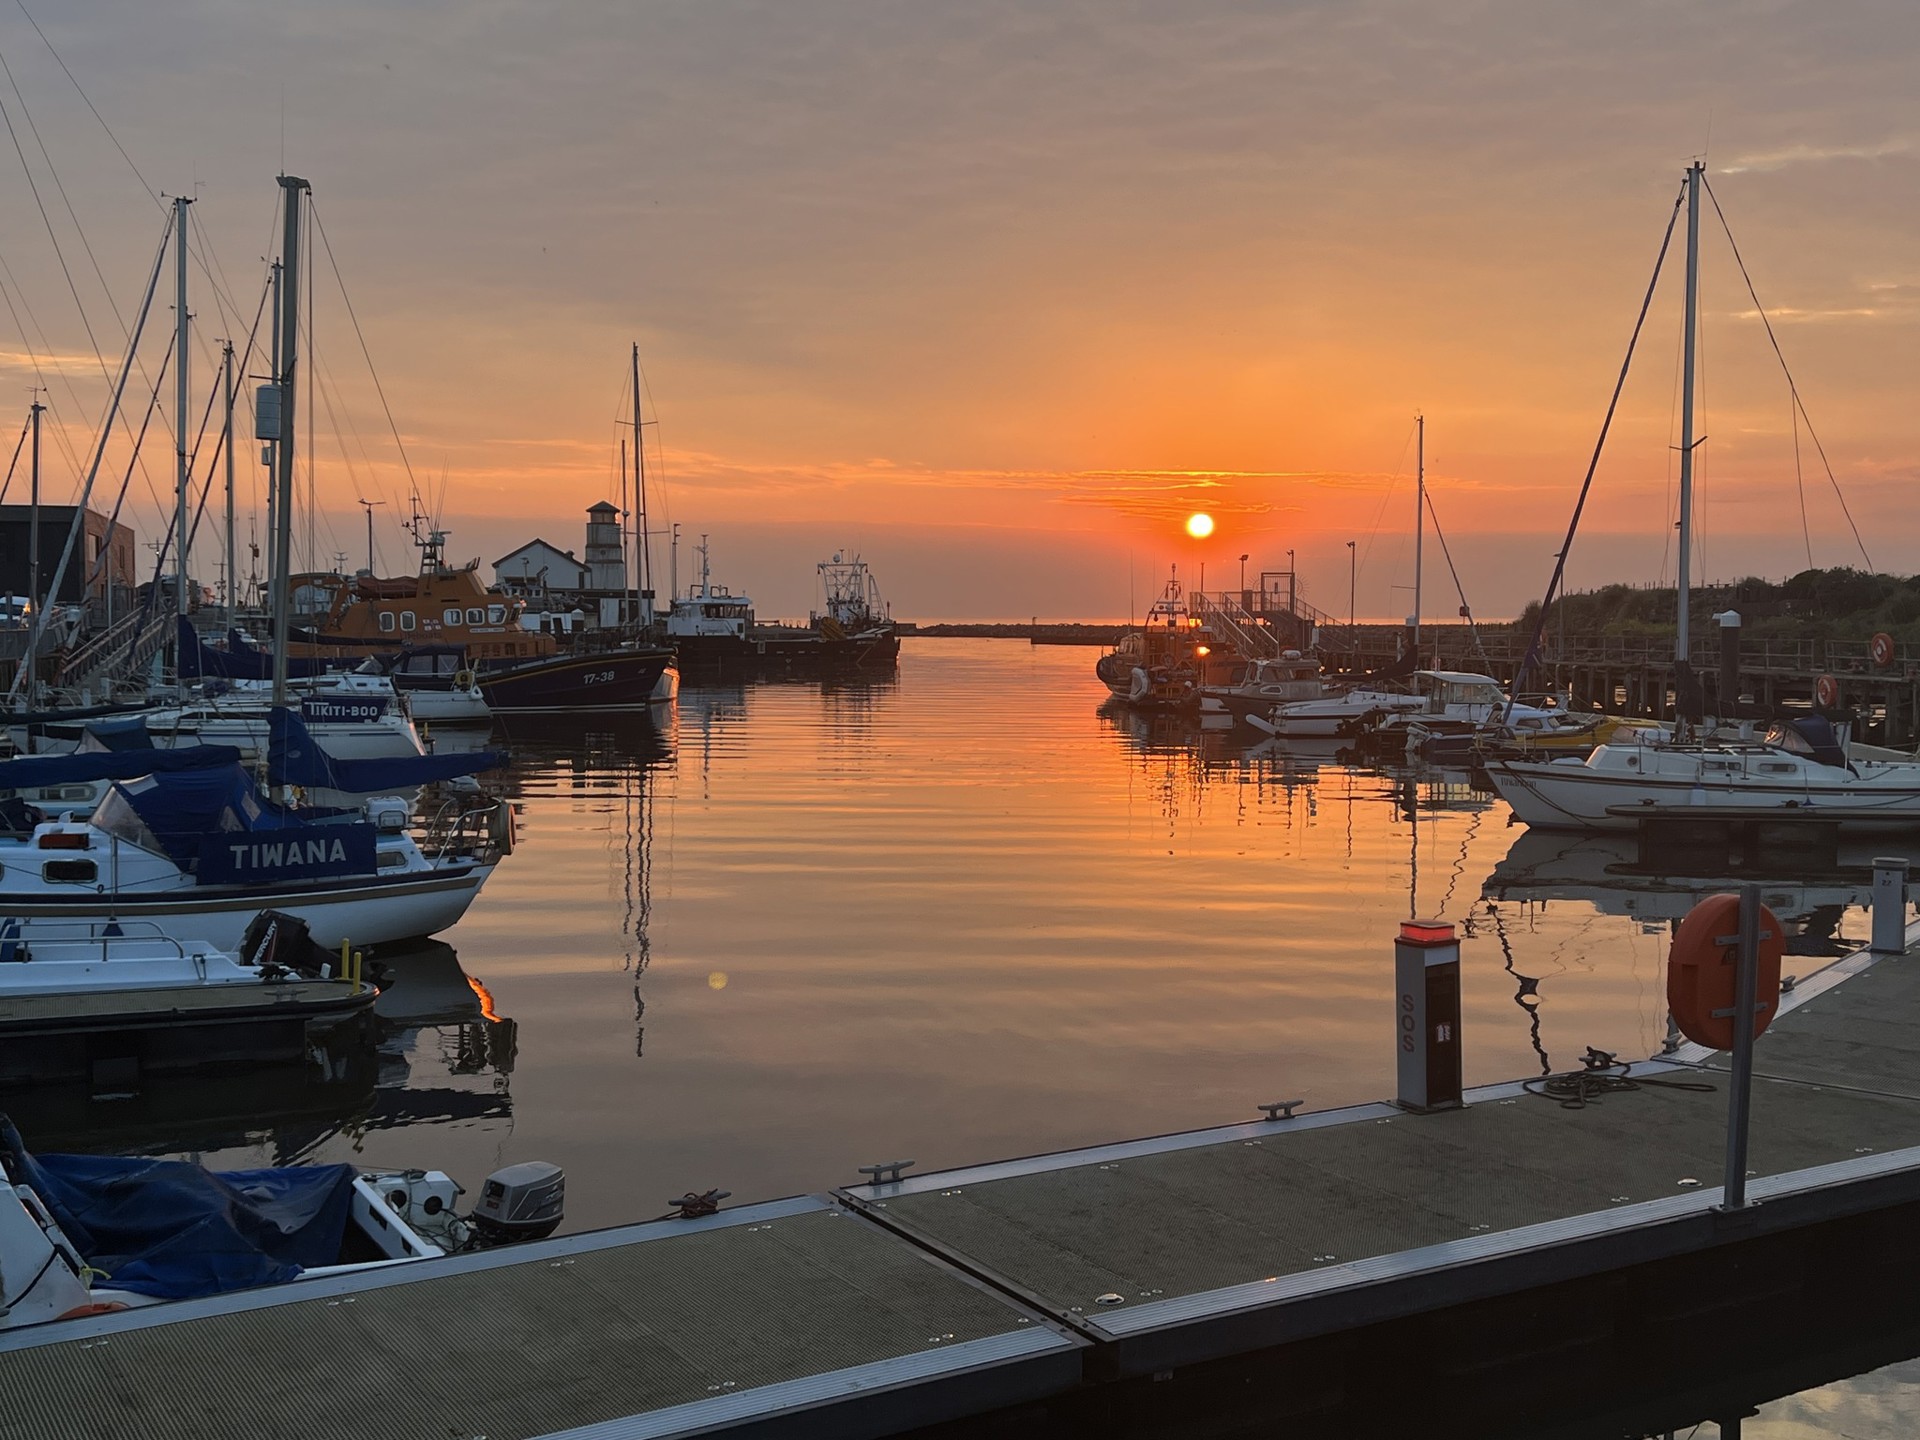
x: 442, y: 605
x: 1457, y: 690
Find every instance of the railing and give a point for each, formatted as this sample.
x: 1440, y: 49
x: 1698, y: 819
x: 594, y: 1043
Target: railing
x: 1225, y: 615
x: 477, y: 828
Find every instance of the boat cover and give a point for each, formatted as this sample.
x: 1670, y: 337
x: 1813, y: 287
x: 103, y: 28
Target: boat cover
x: 241, y: 660
x: 294, y: 757
x: 124, y: 733
x: 30, y: 771
x: 175, y: 1231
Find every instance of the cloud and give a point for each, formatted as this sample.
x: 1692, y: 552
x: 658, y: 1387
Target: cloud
x: 1817, y: 155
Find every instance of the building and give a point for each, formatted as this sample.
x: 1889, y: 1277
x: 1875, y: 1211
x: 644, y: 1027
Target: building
x: 102, y: 566
x: 606, y: 556
x: 538, y: 568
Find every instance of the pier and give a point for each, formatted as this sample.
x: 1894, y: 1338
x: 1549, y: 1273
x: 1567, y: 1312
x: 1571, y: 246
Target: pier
x: 1368, y: 1250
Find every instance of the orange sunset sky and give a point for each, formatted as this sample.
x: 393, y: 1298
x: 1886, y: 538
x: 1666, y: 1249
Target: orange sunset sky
x: 997, y: 293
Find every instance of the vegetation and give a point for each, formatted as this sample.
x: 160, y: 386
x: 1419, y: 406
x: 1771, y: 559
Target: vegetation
x: 1814, y: 605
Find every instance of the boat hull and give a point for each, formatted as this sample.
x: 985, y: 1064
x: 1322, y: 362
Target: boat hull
x: 615, y: 679
x: 1565, y: 796
x: 358, y: 911
x: 799, y: 653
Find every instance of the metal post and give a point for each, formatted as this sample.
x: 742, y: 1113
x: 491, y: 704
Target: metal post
x: 1740, y: 1088
x: 1419, y: 519
x: 293, y: 188
x: 33, y: 512
x: 180, y: 361
x: 1426, y: 960
x: 1889, y: 905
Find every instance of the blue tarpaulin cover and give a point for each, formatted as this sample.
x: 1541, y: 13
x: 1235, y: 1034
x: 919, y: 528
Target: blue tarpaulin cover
x: 30, y: 771
x: 294, y: 757
x: 175, y: 1231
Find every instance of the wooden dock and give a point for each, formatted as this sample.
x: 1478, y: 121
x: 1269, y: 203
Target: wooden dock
x: 1366, y: 1248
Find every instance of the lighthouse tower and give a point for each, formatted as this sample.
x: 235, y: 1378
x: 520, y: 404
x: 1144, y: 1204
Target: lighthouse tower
x: 606, y: 556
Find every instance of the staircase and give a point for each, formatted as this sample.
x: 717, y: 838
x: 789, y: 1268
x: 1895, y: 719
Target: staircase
x: 123, y: 648
x: 1225, y: 616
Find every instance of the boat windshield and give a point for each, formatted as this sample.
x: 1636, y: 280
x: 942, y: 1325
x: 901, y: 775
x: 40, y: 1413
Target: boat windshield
x: 117, y: 817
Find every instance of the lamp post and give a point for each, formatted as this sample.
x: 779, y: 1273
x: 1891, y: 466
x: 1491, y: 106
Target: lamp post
x: 1243, y: 580
x: 368, y: 506
x: 1353, y: 578
x: 1293, y: 585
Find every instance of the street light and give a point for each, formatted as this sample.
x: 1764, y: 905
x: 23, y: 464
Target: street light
x: 1243, y: 579
x: 1353, y: 577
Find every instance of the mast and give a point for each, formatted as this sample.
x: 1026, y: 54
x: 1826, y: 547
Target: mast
x: 33, y: 521
x: 643, y: 558
x: 284, y: 377
x: 271, y: 434
x: 1682, y: 647
x: 33, y: 549
x: 1419, y: 520
x: 180, y: 421
x: 226, y: 389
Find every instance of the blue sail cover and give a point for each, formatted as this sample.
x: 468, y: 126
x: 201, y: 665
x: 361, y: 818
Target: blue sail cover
x: 241, y: 660
x: 294, y: 757
x: 31, y: 771
x: 172, y: 1230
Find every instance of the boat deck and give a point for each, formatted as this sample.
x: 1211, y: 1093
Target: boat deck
x: 960, y: 1293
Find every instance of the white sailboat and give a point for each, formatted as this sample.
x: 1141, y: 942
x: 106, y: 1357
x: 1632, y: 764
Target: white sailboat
x: 1799, y: 766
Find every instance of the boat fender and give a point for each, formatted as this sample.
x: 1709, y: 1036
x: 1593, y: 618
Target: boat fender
x: 98, y: 1307
x: 1826, y: 692
x: 463, y: 680
x: 1141, y: 683
x: 1703, y: 966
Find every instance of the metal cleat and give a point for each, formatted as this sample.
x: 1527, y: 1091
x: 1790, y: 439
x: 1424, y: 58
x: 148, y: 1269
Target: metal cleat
x: 887, y: 1172
x: 1281, y: 1109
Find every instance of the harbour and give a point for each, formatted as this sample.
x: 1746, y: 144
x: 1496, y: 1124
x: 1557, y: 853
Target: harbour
x: 665, y: 823
x: 766, y: 722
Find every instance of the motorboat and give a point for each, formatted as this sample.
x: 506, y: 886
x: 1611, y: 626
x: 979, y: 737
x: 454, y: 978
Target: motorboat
x: 1799, y: 767
x: 439, y: 685
x: 112, y: 1000
x: 88, y: 1235
x: 713, y: 630
x: 1287, y: 679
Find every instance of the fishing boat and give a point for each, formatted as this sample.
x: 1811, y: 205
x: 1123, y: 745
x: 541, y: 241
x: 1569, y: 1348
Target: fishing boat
x: 87, y: 1235
x: 715, y: 632
x: 1168, y: 662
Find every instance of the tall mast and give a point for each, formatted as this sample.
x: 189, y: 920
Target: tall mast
x: 33, y: 551
x: 226, y: 389
x: 271, y: 434
x: 180, y: 358
x: 643, y: 558
x: 1419, y: 519
x: 1682, y: 647
x: 285, y: 374
x: 33, y: 511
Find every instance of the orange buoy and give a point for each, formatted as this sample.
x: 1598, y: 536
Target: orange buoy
x: 1826, y: 692
x: 1703, y: 968
x: 1881, y: 647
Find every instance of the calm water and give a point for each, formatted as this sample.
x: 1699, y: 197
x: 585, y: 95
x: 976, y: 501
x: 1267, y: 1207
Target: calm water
x: 961, y: 914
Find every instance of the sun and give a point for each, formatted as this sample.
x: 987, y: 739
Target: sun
x: 1200, y: 525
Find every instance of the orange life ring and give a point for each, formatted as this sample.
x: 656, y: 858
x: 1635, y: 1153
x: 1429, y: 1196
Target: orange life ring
x: 1826, y: 692
x: 1702, y: 970
x: 1881, y: 647
x: 98, y: 1307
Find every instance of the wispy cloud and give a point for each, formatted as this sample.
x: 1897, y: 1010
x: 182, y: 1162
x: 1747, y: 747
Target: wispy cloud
x: 1817, y: 155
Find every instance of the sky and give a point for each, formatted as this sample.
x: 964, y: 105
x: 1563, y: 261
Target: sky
x: 997, y: 294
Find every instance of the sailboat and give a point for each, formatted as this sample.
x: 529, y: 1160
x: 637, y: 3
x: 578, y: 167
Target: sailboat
x: 1801, y: 764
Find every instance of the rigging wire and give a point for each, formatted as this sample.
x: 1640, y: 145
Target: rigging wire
x: 379, y: 389
x: 1532, y: 654
x: 24, y: 431
x: 1793, y: 389
x: 1473, y: 628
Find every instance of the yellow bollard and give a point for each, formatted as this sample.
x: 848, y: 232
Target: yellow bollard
x: 359, y: 968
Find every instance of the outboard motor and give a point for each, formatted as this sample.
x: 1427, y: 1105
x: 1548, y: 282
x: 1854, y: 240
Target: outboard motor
x: 520, y: 1202
x: 282, y: 941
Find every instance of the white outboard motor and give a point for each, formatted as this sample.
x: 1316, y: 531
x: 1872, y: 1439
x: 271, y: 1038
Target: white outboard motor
x: 521, y: 1202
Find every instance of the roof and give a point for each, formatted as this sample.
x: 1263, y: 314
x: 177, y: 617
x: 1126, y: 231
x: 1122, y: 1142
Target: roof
x: 1458, y: 677
x: 529, y: 545
x: 606, y: 505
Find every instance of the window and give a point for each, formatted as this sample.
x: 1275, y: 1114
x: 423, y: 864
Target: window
x: 386, y: 620
x: 476, y: 616
x: 70, y: 872
x: 408, y: 620
x: 496, y: 614
x: 452, y: 615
